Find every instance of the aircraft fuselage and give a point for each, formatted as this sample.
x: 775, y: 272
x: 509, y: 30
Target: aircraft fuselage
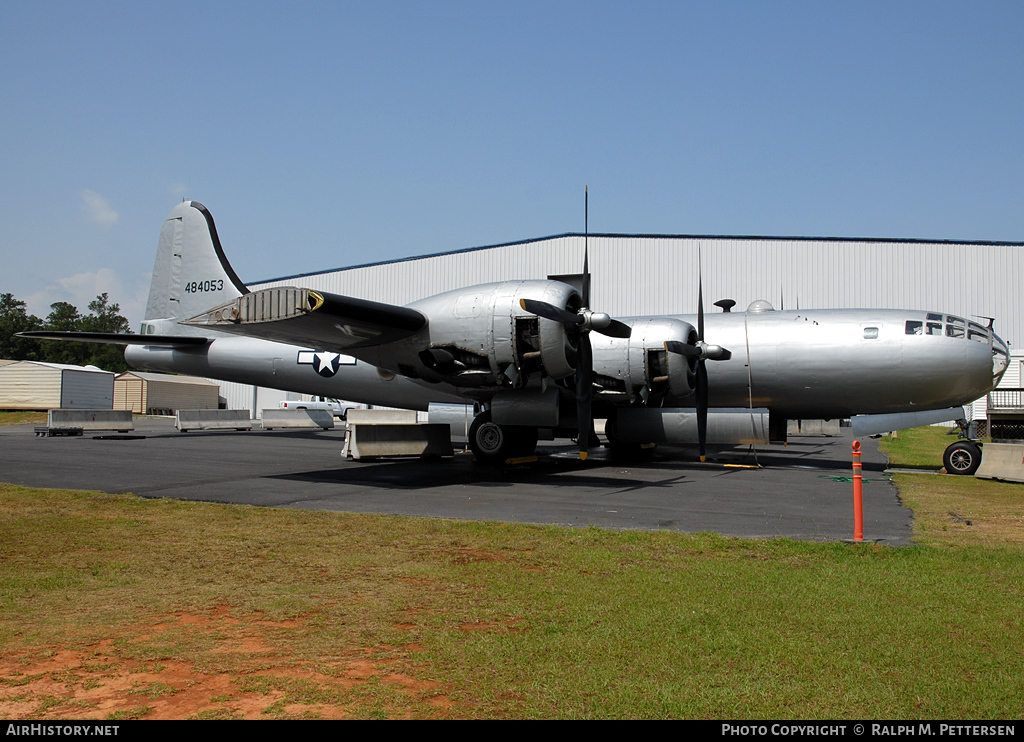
x: 834, y: 363
x: 812, y: 364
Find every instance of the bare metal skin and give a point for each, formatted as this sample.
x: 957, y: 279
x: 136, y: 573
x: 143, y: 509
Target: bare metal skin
x: 480, y: 344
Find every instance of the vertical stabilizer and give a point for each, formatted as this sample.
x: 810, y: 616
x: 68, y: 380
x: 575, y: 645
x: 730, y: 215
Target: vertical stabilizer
x: 191, y: 274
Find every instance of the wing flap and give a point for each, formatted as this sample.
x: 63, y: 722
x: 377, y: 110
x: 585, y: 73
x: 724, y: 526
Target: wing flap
x: 312, y: 318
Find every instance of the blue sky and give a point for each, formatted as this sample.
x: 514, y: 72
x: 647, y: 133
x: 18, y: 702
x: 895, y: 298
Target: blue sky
x: 323, y: 135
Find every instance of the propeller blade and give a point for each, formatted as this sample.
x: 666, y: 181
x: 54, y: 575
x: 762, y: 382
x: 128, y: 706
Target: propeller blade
x: 702, y: 369
x: 584, y: 392
x: 550, y: 311
x: 682, y: 349
x: 615, y: 329
x: 604, y: 325
x: 586, y: 252
x: 700, y: 296
x: 702, y: 408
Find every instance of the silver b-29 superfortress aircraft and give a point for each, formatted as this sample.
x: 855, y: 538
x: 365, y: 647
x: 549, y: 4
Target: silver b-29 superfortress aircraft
x: 533, y: 355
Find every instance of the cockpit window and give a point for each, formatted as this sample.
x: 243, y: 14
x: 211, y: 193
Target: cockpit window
x: 933, y: 317
x: 977, y: 332
x: 954, y: 331
x: 914, y: 327
x: 934, y: 328
x: 951, y: 318
x: 870, y: 333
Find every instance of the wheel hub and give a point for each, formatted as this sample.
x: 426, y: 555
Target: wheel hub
x: 489, y: 437
x: 961, y: 460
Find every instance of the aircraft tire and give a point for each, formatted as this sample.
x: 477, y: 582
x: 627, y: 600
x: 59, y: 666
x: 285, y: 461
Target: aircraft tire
x: 962, y: 457
x: 494, y: 444
x: 491, y: 443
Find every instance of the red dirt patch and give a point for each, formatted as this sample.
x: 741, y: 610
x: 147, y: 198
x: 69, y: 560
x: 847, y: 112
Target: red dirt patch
x: 109, y: 679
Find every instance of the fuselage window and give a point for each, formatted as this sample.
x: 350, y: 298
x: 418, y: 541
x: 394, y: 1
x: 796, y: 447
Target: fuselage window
x: 913, y: 328
x: 934, y: 328
x: 870, y: 333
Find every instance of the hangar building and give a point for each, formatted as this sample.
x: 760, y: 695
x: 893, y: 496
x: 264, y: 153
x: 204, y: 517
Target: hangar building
x: 657, y: 274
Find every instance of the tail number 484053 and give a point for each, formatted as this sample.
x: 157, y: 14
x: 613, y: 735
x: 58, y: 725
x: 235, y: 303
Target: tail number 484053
x: 194, y: 287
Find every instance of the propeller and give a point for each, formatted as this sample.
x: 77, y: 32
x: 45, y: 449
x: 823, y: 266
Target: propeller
x: 580, y: 324
x: 701, y: 352
x: 584, y: 319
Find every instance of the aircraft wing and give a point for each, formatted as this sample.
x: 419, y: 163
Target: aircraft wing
x: 116, y: 338
x: 313, y: 319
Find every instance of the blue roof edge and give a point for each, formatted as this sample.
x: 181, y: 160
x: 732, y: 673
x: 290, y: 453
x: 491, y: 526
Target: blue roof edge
x: 980, y: 243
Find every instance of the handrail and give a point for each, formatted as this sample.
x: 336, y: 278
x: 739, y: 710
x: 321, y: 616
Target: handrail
x: 1006, y: 399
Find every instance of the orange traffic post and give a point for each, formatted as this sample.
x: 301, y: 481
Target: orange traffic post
x: 858, y: 495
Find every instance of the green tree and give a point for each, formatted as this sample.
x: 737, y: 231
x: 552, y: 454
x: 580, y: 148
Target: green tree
x: 106, y: 317
x: 65, y: 318
x: 14, y: 319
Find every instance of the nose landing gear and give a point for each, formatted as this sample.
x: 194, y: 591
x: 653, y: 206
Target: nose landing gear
x: 962, y: 457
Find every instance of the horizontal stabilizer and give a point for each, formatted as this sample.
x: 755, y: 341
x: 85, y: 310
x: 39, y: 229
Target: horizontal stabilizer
x: 117, y: 338
x: 314, y: 319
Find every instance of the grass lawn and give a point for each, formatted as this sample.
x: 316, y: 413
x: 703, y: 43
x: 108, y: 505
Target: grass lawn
x: 112, y: 606
x: 953, y: 510
x: 21, y: 417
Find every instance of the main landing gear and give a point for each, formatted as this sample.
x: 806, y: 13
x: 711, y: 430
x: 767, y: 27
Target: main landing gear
x: 494, y: 444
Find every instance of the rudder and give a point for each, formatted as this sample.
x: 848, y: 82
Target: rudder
x: 191, y: 273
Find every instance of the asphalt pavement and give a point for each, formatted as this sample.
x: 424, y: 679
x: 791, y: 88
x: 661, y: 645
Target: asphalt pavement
x: 801, y: 490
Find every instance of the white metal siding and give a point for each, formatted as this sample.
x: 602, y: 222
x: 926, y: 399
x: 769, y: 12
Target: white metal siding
x: 658, y: 275
x: 241, y: 397
x: 29, y: 386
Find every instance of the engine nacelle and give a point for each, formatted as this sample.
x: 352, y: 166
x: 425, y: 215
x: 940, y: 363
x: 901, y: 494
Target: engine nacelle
x: 481, y: 337
x: 640, y: 367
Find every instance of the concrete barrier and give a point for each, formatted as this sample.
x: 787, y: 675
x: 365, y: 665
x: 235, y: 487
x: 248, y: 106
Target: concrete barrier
x: 186, y: 420
x: 375, y: 433
x: 278, y: 418
x: 119, y: 420
x: 1003, y: 461
x: 385, y: 439
x: 381, y: 417
x: 828, y: 428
